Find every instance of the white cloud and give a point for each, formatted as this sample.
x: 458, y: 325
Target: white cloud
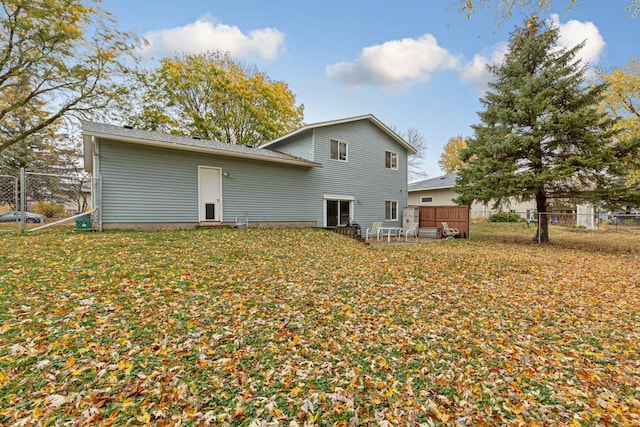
x: 571, y: 34
x: 575, y: 32
x: 398, y: 64
x: 476, y: 73
x: 206, y: 34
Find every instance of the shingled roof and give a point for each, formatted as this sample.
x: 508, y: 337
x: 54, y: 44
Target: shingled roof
x: 444, y: 181
x: 185, y: 143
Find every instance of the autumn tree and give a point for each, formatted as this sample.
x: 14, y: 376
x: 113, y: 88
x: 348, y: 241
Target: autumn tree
x: 622, y: 99
x: 450, y: 158
x: 541, y: 134
x: 65, y: 54
x: 27, y: 152
x: 212, y: 96
x: 505, y: 8
x: 55, y: 155
x: 33, y: 152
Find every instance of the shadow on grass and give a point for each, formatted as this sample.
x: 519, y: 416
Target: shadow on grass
x: 607, y: 240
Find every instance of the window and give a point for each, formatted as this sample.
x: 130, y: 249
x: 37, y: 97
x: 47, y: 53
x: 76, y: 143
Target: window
x: 390, y: 210
x: 391, y: 160
x: 426, y: 200
x: 338, y: 150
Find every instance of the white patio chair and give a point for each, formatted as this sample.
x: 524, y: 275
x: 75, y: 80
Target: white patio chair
x: 411, y: 231
x: 449, y: 232
x: 374, y: 230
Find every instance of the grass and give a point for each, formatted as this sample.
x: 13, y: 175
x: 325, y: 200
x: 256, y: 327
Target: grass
x: 295, y: 327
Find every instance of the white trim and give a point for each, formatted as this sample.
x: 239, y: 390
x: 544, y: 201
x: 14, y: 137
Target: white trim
x: 337, y: 197
x: 326, y: 197
x: 88, y: 152
x: 391, y: 160
x: 370, y: 117
x: 430, y: 188
x: 385, y: 210
x: 208, y: 150
x: 346, y: 150
x: 200, y: 205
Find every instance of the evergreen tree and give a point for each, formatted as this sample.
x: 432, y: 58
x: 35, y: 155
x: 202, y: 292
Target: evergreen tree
x: 542, y: 135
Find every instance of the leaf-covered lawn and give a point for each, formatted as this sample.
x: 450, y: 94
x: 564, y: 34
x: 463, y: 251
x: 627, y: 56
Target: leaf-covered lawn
x: 305, y: 327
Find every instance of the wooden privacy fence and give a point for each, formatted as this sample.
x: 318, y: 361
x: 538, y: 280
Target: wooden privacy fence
x: 454, y: 216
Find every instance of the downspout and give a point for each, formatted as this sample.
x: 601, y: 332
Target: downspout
x: 313, y: 145
x: 96, y: 191
x: 469, y: 222
x: 23, y: 199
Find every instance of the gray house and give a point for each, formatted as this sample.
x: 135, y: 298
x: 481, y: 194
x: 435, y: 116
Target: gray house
x: 321, y: 175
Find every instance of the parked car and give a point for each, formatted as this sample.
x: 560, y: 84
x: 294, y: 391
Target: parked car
x: 14, y: 216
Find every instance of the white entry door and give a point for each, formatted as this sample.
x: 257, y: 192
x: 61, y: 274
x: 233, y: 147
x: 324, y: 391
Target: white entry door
x: 209, y: 194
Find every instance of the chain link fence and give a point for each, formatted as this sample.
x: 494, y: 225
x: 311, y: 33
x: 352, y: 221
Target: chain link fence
x: 57, y: 196
x: 583, y: 217
x: 9, y: 220
x: 47, y: 199
x: 623, y: 222
x: 628, y: 223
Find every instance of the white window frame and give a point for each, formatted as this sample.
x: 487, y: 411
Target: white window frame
x: 424, y: 199
x: 337, y: 197
x: 339, y: 144
x: 392, y: 203
x: 391, y: 155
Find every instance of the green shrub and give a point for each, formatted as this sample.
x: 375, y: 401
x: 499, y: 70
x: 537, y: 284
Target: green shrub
x: 50, y: 210
x: 505, y: 217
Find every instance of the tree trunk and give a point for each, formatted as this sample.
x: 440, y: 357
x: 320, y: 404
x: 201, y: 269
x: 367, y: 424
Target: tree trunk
x: 543, y: 220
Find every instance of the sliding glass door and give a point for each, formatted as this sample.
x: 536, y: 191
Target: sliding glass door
x: 338, y: 212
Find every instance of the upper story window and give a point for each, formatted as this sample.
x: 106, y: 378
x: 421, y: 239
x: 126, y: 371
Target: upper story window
x: 426, y: 200
x: 391, y: 160
x: 338, y: 150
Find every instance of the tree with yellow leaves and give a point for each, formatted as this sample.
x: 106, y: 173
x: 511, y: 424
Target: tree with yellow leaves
x: 505, y: 8
x: 57, y: 59
x: 211, y: 96
x: 622, y: 100
x: 450, y: 160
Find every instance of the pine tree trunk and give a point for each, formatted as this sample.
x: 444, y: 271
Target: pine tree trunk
x: 543, y: 220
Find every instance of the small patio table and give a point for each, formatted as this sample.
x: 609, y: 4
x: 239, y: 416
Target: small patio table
x: 395, y: 230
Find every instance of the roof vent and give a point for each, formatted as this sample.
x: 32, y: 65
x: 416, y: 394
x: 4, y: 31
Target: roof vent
x: 127, y: 127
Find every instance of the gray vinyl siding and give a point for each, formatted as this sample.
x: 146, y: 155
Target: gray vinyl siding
x: 364, y: 175
x: 140, y: 184
x: 149, y: 184
x: 146, y: 184
x: 298, y: 145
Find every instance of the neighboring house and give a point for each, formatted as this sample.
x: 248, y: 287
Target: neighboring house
x: 352, y: 170
x: 80, y: 198
x: 439, y: 191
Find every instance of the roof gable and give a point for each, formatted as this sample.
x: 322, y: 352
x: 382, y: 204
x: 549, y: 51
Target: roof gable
x: 370, y: 117
x: 444, y: 181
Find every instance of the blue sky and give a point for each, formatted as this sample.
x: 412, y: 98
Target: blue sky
x: 412, y: 63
